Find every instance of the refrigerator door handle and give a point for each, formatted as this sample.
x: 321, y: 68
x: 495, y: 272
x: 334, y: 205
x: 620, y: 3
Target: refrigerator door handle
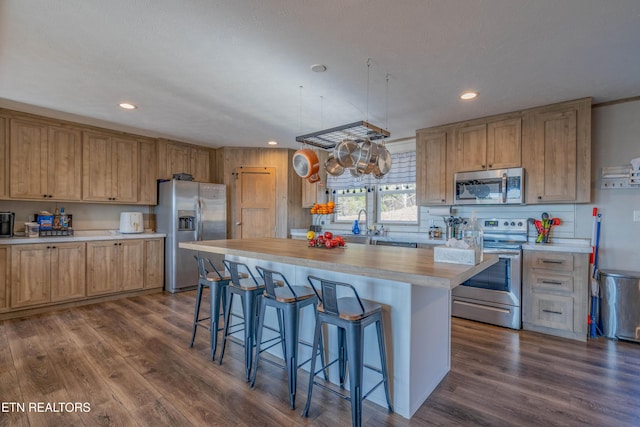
x: 199, y: 220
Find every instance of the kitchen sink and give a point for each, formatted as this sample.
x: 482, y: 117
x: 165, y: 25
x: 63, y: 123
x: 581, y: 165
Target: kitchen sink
x: 357, y: 238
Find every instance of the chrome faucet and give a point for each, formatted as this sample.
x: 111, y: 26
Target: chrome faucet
x: 366, y: 217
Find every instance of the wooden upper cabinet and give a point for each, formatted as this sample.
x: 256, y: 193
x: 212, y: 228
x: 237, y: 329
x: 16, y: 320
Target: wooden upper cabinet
x: 110, y: 168
x: 176, y: 157
x: 200, y: 164
x: 45, y: 161
x: 433, y: 167
x: 504, y: 143
x: 4, y: 152
x: 147, y: 184
x: 495, y: 144
x: 557, y: 144
x: 64, y: 167
x: 471, y: 148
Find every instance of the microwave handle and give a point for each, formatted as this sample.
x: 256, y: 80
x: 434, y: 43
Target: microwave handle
x: 504, y: 188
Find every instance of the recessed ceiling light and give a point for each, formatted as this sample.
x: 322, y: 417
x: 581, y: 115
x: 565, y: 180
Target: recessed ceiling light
x: 272, y: 142
x: 468, y: 95
x: 318, y: 68
x: 127, y: 106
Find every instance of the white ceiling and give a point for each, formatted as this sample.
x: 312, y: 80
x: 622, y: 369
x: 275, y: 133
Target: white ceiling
x: 228, y: 73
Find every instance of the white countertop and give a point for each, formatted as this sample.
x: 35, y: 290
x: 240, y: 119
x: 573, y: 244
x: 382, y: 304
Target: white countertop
x: 581, y: 246
x: 82, y: 236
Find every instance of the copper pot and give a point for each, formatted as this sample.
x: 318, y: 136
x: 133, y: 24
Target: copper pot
x: 305, y: 163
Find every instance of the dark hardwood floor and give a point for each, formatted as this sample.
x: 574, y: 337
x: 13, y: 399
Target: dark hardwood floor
x: 130, y: 360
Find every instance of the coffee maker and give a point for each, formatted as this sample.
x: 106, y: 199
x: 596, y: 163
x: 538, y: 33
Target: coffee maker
x: 6, y: 224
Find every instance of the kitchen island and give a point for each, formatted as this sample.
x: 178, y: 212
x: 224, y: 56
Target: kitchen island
x: 415, y: 293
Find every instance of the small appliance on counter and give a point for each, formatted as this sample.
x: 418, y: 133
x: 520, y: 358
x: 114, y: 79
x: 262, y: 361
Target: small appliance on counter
x: 6, y: 224
x: 131, y: 222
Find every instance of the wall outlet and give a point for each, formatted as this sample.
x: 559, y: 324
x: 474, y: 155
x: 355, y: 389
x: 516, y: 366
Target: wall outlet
x: 636, y: 216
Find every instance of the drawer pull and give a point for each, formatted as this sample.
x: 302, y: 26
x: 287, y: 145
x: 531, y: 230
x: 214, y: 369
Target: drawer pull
x: 551, y: 261
x: 552, y: 312
x: 551, y: 282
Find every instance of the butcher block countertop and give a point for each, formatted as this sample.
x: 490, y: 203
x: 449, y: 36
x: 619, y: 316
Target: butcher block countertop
x: 409, y: 265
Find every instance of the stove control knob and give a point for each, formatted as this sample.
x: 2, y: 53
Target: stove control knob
x: 513, y: 223
x: 519, y: 223
x: 506, y: 223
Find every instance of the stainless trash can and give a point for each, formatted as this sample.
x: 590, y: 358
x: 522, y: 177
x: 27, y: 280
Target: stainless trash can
x: 620, y: 304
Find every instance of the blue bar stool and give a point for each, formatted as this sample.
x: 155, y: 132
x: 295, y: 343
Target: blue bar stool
x: 217, y: 285
x: 249, y: 289
x: 351, y: 315
x: 288, y: 301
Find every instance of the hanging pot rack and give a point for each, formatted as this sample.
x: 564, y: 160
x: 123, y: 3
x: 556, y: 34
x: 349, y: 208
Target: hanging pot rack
x: 327, y: 139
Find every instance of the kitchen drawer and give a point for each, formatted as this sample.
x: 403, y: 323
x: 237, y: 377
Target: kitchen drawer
x: 552, y: 261
x: 552, y: 311
x: 542, y: 281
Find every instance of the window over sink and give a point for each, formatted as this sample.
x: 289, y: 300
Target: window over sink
x: 390, y: 200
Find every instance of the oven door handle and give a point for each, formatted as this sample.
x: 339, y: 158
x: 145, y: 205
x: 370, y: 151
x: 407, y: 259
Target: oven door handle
x: 505, y: 253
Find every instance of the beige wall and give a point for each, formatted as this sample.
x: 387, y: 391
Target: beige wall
x: 86, y: 216
x: 615, y: 141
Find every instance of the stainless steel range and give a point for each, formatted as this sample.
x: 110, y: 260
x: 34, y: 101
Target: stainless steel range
x: 494, y: 296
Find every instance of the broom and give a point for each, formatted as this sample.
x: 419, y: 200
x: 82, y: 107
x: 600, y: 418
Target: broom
x: 595, y: 239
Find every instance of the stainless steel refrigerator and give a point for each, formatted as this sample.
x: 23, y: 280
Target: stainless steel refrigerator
x: 189, y: 211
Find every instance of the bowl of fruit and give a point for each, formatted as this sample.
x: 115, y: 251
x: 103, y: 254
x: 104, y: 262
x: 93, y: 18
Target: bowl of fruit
x: 324, y: 240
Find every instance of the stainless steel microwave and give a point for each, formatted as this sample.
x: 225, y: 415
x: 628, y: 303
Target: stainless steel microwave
x: 493, y: 187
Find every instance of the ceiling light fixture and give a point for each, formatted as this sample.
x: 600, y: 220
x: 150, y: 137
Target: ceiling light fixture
x: 127, y: 106
x: 468, y: 95
x: 318, y: 68
x: 272, y: 142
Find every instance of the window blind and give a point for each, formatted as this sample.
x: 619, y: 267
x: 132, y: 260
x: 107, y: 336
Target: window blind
x: 403, y: 171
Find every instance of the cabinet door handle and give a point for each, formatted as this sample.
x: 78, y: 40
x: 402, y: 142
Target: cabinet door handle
x: 490, y: 166
x: 552, y: 312
x: 551, y: 282
x: 539, y: 197
x: 552, y: 261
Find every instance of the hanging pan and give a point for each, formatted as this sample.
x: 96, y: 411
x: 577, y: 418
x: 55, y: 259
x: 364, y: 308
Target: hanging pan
x: 332, y: 166
x: 346, y: 153
x: 383, y: 165
x: 305, y: 163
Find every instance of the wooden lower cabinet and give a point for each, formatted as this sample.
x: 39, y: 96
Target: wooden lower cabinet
x: 556, y: 293
x: 153, y: 263
x: 114, y: 266
x: 47, y: 272
x: 4, y: 278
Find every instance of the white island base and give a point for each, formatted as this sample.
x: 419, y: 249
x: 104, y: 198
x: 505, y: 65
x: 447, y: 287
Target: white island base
x: 417, y: 325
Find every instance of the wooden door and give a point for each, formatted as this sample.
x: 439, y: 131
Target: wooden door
x: 124, y: 170
x: 4, y: 152
x: 504, y: 144
x: 148, y: 176
x: 255, y: 207
x: 154, y: 263
x: 554, y: 153
x: 199, y: 165
x: 64, y: 163
x: 28, y: 160
x: 4, y: 277
x: 96, y: 167
x: 68, y: 271
x: 471, y: 148
x: 131, y: 257
x: 102, y: 267
x: 30, y: 275
x: 431, y: 168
